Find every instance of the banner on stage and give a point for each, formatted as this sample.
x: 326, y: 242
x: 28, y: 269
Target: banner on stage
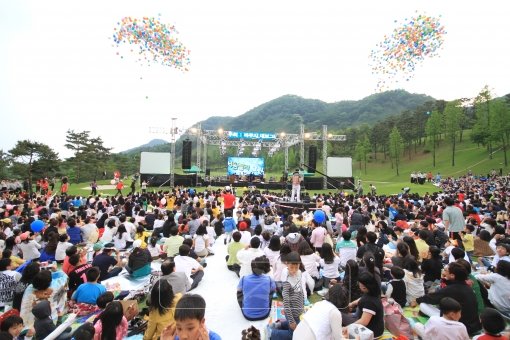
x: 251, y: 135
x: 245, y: 166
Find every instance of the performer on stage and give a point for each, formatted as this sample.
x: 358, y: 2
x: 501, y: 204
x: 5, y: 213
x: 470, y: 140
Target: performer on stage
x: 296, y: 186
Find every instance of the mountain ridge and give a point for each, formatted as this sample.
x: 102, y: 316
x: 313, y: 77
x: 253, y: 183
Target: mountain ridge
x: 287, y: 112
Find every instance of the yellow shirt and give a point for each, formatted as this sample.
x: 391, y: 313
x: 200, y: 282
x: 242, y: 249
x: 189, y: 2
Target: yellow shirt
x: 170, y: 203
x: 157, y: 322
x: 143, y: 236
x: 16, y: 262
x: 423, y: 248
x: 469, y: 242
x: 216, y: 211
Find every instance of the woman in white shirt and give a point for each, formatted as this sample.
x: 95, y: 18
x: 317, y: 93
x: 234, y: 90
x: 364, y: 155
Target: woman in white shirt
x: 62, y: 246
x: 272, y: 251
x: 329, y: 264
x: 29, y: 247
x: 310, y: 260
x: 324, y: 319
x: 109, y: 231
x: 201, y: 241
x: 122, y: 238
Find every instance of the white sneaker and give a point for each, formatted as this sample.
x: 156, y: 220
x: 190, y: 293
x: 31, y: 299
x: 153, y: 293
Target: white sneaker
x: 323, y: 291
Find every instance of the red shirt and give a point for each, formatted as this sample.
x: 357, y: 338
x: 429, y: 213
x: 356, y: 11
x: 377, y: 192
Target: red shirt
x: 492, y: 337
x: 228, y: 201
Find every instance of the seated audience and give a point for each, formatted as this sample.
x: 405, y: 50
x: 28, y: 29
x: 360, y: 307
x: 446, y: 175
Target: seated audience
x: 255, y: 291
x: 161, y: 310
x: 178, y: 280
x: 89, y: 291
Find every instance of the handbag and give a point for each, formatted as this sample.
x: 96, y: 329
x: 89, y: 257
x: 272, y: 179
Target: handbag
x: 394, y: 319
x: 357, y: 331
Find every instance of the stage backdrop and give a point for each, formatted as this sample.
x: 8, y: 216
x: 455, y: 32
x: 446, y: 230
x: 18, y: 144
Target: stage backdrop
x: 339, y: 167
x: 245, y: 166
x: 156, y: 163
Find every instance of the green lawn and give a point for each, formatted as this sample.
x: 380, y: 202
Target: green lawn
x: 469, y: 156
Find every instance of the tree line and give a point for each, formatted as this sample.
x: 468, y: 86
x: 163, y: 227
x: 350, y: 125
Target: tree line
x: 396, y: 137
x: 31, y: 160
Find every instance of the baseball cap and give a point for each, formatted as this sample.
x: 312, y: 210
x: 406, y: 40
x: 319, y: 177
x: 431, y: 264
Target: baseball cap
x: 137, y: 243
x: 97, y: 246
x: 243, y: 225
x: 109, y: 245
x: 24, y: 236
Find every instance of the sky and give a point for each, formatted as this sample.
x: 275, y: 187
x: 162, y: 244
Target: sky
x: 59, y: 68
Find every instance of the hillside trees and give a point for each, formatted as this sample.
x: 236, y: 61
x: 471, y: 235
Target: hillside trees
x: 4, y: 163
x: 500, y: 127
x: 481, y: 132
x: 433, y: 130
x: 362, y: 151
x: 396, y: 146
x: 452, y: 119
x: 89, y: 154
x: 33, y: 159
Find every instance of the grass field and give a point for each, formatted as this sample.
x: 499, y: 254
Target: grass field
x: 469, y: 156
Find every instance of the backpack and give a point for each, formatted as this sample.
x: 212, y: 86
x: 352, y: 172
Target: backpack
x: 395, y: 321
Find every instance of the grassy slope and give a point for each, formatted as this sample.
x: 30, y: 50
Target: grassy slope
x: 469, y: 156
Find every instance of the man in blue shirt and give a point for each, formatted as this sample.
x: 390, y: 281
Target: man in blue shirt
x: 89, y: 291
x: 254, y: 291
x: 105, y: 260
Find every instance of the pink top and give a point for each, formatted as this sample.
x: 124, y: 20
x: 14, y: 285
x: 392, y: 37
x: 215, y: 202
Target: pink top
x: 121, y: 329
x: 318, y: 236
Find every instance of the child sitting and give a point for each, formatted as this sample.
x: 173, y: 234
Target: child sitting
x: 13, y: 325
x: 15, y: 260
x: 468, y: 239
x: 189, y: 320
x: 142, y: 235
x: 89, y: 291
x: 154, y: 248
x: 438, y: 326
x: 44, y: 324
x: 62, y: 246
x: 396, y: 288
x: 413, y: 279
x: 493, y: 325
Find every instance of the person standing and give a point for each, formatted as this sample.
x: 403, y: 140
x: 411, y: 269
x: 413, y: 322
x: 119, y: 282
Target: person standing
x: 119, y: 187
x: 229, y: 200
x: 64, y: 187
x: 453, y: 220
x: 93, y: 187
x: 296, y: 186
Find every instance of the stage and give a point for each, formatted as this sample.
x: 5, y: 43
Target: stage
x: 193, y: 180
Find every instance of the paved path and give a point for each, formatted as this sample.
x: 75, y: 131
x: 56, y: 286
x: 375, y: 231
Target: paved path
x: 218, y: 287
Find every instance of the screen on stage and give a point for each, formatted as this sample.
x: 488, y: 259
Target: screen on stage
x: 155, y: 163
x: 339, y: 167
x: 245, y: 166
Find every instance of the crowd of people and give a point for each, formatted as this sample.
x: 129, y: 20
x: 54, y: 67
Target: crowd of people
x: 446, y: 254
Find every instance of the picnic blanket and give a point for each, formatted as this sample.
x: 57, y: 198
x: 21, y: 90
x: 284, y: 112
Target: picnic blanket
x: 412, y: 314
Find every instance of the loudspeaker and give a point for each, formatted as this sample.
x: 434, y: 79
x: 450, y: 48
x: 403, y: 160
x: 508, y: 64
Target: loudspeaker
x: 186, y: 154
x: 208, y: 172
x: 312, y: 158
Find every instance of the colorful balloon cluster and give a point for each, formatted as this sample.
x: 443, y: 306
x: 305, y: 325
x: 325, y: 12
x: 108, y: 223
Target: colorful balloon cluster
x: 157, y: 42
x: 397, y: 56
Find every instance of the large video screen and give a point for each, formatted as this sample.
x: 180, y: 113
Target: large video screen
x: 155, y: 163
x: 245, y: 166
